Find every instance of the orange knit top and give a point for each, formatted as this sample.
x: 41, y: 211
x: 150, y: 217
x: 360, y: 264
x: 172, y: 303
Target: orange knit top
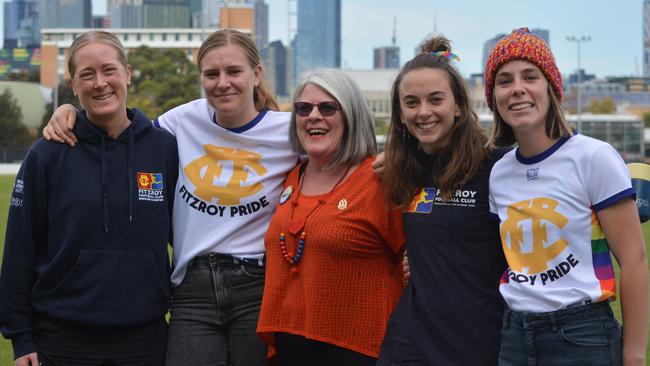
x: 349, y: 277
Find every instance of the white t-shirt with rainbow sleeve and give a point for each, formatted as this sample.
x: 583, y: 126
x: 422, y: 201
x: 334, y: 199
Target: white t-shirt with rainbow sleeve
x: 557, y: 254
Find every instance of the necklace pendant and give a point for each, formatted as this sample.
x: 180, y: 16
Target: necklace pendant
x: 295, y: 226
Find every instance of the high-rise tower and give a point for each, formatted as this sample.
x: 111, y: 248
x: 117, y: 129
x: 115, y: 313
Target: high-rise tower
x: 150, y: 13
x: 21, y: 24
x: 388, y: 57
x: 261, y: 23
x: 65, y: 13
x: 318, y: 39
x: 646, y: 38
x: 166, y: 14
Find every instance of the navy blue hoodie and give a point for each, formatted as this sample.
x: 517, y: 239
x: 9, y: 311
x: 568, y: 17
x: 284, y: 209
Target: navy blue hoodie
x: 88, y: 230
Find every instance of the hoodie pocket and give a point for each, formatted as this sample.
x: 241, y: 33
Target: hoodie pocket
x: 110, y: 282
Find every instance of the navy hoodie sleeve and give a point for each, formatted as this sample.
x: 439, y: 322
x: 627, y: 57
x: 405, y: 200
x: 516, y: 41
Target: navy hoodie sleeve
x: 26, y: 230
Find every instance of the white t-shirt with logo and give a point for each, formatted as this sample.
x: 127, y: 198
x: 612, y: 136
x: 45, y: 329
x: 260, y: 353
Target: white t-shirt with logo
x: 556, y: 251
x: 229, y: 181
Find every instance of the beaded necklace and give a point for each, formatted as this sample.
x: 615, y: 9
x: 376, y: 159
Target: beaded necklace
x: 298, y: 225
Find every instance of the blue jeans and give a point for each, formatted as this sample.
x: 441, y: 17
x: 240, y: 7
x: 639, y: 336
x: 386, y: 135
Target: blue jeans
x: 214, y: 314
x: 586, y: 335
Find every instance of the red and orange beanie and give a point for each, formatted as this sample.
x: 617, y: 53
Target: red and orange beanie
x: 521, y: 45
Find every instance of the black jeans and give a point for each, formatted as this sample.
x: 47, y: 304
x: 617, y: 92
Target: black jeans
x: 61, y: 343
x: 214, y: 314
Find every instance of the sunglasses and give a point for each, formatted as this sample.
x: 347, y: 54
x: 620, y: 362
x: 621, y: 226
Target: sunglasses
x: 326, y: 109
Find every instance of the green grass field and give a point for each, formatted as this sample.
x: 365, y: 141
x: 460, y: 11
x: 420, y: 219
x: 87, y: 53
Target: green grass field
x: 6, y: 184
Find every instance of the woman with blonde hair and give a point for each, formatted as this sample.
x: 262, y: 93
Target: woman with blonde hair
x: 85, y: 273
x: 234, y: 154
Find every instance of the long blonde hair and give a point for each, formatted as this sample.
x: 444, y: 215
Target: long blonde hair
x: 262, y: 96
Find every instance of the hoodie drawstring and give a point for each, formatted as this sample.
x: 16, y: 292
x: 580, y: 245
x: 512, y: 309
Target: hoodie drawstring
x: 104, y: 181
x: 131, y: 173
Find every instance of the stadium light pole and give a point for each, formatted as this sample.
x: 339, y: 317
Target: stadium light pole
x: 578, y: 41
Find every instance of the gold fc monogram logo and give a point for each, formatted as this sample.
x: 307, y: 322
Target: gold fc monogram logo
x: 532, y: 212
x: 211, y: 166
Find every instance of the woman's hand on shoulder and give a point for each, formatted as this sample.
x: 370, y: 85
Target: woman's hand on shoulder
x: 27, y: 360
x: 406, y: 270
x: 59, y: 127
x: 378, y: 164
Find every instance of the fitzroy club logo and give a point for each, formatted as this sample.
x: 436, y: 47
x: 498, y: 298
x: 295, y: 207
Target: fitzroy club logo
x: 204, y: 171
x: 150, y: 187
x: 534, y: 252
x: 423, y: 201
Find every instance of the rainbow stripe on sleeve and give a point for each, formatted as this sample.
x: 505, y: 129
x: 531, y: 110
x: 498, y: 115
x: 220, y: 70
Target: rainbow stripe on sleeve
x: 602, y: 260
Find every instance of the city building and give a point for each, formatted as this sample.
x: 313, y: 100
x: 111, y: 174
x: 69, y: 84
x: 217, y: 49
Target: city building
x: 646, y: 38
x: 386, y: 57
x: 490, y: 43
x: 21, y: 24
x: 166, y: 14
x: 9, y: 10
x: 584, y: 77
x: 240, y: 16
x: 375, y: 86
x: 261, y: 24
x: 101, y: 21
x: 318, y: 36
x: 476, y: 92
x: 65, y: 13
x: 19, y: 60
x: 632, y: 83
x: 196, y: 13
x: 149, y: 13
x: 125, y: 13
x: 55, y: 44
x: 210, y: 13
x: 488, y: 46
x: 277, y: 68
x: 541, y: 33
x: 625, y: 132
x: 625, y: 92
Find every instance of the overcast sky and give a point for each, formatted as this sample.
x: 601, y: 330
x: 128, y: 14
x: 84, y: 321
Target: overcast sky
x: 615, y: 28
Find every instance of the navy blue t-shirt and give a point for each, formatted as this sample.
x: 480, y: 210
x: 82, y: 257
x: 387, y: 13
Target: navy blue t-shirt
x: 450, y: 312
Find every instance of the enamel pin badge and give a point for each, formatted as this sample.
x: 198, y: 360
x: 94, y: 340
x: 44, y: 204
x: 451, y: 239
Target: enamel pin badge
x: 286, y: 194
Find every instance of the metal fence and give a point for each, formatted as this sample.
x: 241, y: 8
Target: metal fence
x: 12, y: 154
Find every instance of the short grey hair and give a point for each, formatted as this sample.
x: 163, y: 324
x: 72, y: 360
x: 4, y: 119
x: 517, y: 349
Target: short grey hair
x: 359, y: 141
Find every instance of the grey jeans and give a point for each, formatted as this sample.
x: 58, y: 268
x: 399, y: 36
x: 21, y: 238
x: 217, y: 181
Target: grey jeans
x: 214, y: 314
